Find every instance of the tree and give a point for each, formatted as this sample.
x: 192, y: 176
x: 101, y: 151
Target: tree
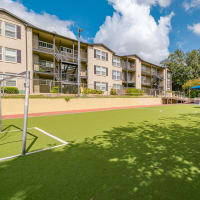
x: 184, y: 67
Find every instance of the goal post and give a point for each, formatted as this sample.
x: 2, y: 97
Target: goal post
x: 25, y: 83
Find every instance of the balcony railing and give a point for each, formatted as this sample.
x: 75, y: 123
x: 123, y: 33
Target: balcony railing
x: 146, y: 83
x: 146, y: 72
x: 66, y: 54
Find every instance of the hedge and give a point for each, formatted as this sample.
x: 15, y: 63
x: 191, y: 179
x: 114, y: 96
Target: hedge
x: 11, y: 90
x: 134, y: 92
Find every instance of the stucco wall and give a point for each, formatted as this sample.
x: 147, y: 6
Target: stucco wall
x: 16, y: 106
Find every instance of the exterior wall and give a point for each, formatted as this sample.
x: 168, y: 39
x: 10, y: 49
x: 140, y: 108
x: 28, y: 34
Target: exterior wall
x: 138, y: 74
x: 53, y: 105
x: 93, y: 61
x: 19, y: 44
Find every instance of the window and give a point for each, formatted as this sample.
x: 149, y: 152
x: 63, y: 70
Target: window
x: 144, y: 79
x: 144, y: 68
x: 98, y: 54
x: 117, y: 86
x: 11, y: 82
x: 116, y: 61
x: 168, y: 84
x: 0, y: 27
x: 116, y: 75
x: 103, y: 57
x: 1, y: 76
x: 1, y: 53
x: 10, y: 30
x: 101, y: 86
x: 100, y: 70
x: 10, y: 55
x: 67, y: 50
x: 45, y: 45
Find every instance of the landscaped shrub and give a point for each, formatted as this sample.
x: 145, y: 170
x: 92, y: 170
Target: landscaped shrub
x: 55, y: 89
x: 113, y: 92
x: 91, y: 91
x: 11, y: 90
x: 67, y: 99
x: 134, y: 92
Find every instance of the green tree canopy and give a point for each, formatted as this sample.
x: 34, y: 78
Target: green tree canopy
x: 184, y: 67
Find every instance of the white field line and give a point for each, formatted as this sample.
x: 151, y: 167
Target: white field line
x: 37, y: 151
x: 50, y: 135
x: 29, y: 153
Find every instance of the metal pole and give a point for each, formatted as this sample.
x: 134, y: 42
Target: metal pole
x: 79, y: 59
x: 26, y: 112
x: 0, y: 110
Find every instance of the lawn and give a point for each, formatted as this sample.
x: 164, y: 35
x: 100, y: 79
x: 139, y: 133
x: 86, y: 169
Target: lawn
x: 142, y: 153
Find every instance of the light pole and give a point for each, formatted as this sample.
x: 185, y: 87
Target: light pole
x: 79, y: 58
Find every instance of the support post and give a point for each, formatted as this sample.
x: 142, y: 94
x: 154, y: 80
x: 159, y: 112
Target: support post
x: 0, y: 109
x: 127, y: 72
x: 79, y: 59
x: 26, y: 112
x: 54, y: 58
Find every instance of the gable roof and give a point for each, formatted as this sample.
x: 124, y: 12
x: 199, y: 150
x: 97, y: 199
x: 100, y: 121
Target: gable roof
x: 56, y: 34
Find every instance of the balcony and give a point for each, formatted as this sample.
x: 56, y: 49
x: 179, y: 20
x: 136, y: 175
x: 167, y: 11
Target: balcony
x: 66, y: 54
x: 44, y: 66
x: 145, y: 72
x: 130, y: 67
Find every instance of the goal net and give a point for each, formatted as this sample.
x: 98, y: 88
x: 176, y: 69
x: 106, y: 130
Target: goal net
x: 14, y: 86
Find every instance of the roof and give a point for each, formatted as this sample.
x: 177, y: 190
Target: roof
x: 56, y: 34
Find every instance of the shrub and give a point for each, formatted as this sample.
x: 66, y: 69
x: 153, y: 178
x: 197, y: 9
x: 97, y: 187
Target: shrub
x: 134, y: 92
x: 11, y: 90
x: 67, y: 99
x: 55, y: 89
x: 91, y: 91
x: 113, y: 91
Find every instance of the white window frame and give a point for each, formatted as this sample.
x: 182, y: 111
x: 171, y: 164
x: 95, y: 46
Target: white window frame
x: 46, y: 45
x: 116, y: 75
x: 117, y: 86
x: 15, y: 31
x: 11, y: 81
x: 98, y: 54
x: 103, y: 55
x: 1, y: 53
x: 101, y: 86
x: 101, y: 71
x: 116, y: 61
x: 1, y: 27
x: 67, y: 50
x: 15, y: 61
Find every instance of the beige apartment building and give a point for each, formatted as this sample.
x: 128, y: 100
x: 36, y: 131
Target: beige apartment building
x: 53, y: 58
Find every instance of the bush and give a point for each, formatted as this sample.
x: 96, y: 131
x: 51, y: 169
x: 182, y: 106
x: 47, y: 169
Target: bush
x: 11, y: 90
x: 55, y: 89
x: 113, y: 92
x: 91, y: 91
x: 134, y: 92
x: 67, y: 99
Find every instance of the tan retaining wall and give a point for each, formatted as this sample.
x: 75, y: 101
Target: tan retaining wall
x: 16, y: 106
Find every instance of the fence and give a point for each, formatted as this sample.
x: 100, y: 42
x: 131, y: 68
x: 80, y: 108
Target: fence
x: 70, y: 87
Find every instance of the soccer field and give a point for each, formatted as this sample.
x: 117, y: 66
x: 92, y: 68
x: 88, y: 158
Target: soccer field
x: 141, y: 153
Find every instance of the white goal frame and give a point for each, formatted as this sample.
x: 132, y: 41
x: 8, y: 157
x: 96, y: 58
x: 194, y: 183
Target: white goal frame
x: 26, y: 76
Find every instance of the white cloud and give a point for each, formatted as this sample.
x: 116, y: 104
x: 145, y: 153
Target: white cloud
x: 195, y: 28
x: 132, y: 30
x: 44, y: 20
x: 191, y: 4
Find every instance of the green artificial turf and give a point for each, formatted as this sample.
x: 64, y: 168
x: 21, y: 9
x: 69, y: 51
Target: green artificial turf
x: 143, y: 154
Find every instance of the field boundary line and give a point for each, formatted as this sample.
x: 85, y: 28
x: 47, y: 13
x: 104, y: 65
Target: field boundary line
x: 50, y: 135
x: 64, y: 143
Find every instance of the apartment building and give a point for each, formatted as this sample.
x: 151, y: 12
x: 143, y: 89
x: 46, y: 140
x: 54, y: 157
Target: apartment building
x: 52, y: 58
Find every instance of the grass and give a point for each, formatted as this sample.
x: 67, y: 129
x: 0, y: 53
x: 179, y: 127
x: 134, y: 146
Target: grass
x: 143, y: 154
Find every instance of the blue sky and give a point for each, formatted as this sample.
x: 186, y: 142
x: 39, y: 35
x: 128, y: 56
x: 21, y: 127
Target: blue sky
x: 156, y: 39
